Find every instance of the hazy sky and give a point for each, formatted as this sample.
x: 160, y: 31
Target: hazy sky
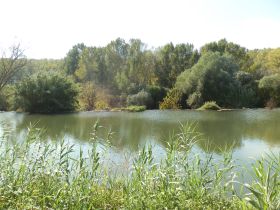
x: 49, y: 28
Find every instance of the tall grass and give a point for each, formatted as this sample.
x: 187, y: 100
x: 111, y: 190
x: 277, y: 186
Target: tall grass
x: 46, y: 175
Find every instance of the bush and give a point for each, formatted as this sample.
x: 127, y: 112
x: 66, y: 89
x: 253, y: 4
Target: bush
x: 87, y: 96
x: 210, y: 105
x: 52, y: 93
x: 247, y: 92
x: 3, y: 102
x: 135, y: 108
x: 142, y: 98
x: 172, y: 100
x: 7, y: 98
x: 157, y: 94
x: 103, y: 98
x: 212, y: 78
x: 101, y: 105
x: 118, y: 101
x: 270, y: 88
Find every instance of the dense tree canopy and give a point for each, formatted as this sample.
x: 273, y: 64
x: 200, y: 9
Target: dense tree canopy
x: 270, y: 88
x: 51, y: 93
x: 211, y: 79
x: 172, y: 60
x: 238, y: 53
x: 172, y: 76
x: 72, y: 58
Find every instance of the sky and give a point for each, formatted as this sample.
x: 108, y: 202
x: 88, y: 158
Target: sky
x: 49, y: 28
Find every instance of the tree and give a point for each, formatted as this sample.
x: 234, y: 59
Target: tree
x: 157, y: 94
x: 273, y: 61
x: 238, y: 53
x: 51, y: 93
x: 86, y: 68
x: 71, y: 61
x: 88, y: 96
x: 211, y: 79
x: 10, y: 65
x: 270, y: 88
x: 264, y: 62
x: 173, y: 60
x: 116, y: 53
x: 137, y: 72
x: 246, y: 95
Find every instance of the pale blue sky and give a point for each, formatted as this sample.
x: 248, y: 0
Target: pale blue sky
x: 49, y: 28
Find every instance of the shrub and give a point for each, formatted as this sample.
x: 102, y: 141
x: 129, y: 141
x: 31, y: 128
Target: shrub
x: 270, y: 88
x: 101, y: 105
x: 210, y: 105
x: 157, y: 94
x: 52, y: 93
x: 7, y: 98
x: 271, y: 103
x: 247, y: 92
x: 212, y: 78
x: 118, y: 101
x: 195, y: 99
x: 3, y: 102
x: 142, y: 98
x: 135, y: 108
x: 88, y: 96
x: 103, y: 98
x: 172, y: 100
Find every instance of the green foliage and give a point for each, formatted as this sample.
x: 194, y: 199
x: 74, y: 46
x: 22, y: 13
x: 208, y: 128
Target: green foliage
x: 52, y: 93
x: 238, y: 53
x: 273, y: 61
x: 3, y: 102
x: 103, y: 98
x: 172, y: 60
x: 265, y: 188
x: 47, y: 175
x: 142, y: 98
x: 211, y: 79
x: 270, y: 88
x: 101, y: 105
x: 71, y: 61
x: 264, y: 62
x: 7, y: 98
x: 87, y: 96
x: 172, y: 100
x: 157, y: 94
x: 135, y: 108
x: 210, y: 105
x: 221, y: 71
x: 246, y: 95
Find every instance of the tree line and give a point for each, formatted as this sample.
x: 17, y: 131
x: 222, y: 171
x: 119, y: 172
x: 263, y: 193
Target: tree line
x: 124, y: 73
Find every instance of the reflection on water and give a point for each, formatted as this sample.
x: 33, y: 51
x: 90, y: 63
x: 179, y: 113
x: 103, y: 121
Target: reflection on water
x: 221, y: 129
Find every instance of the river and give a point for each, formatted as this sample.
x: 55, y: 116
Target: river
x: 250, y: 133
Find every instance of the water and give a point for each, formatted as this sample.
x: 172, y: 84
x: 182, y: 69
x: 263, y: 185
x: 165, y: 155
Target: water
x: 251, y: 133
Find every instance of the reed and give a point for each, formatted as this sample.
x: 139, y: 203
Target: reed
x: 46, y: 175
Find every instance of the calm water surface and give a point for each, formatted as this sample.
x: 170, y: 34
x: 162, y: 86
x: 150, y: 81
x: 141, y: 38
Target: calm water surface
x: 251, y: 132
